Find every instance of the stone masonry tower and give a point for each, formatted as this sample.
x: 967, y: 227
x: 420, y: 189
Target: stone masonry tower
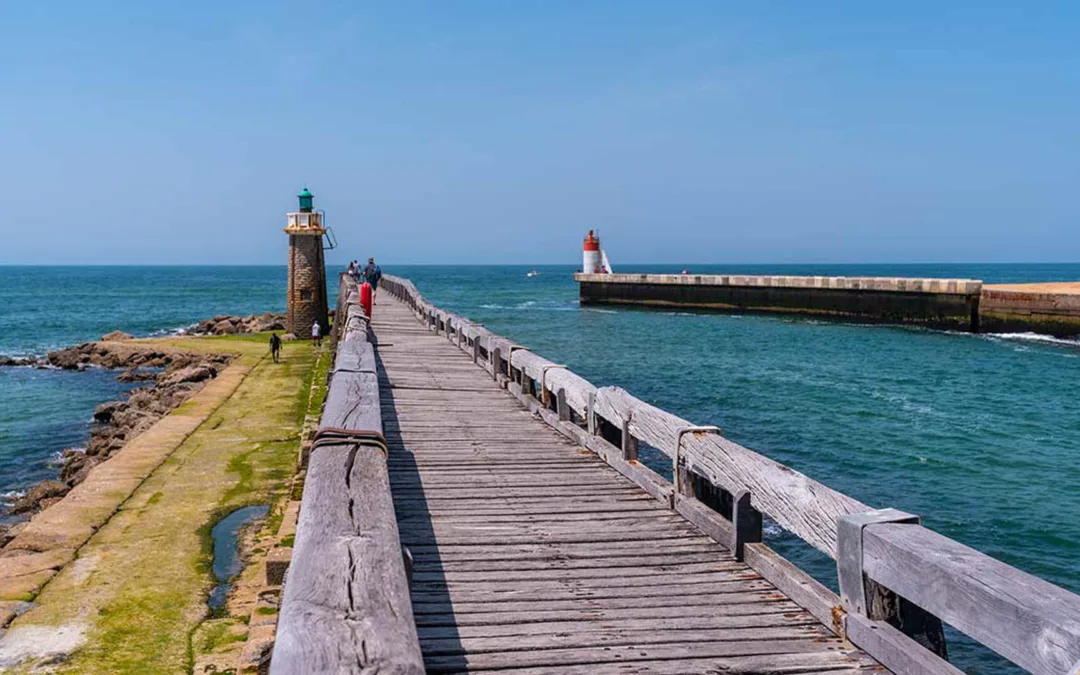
x: 307, y: 270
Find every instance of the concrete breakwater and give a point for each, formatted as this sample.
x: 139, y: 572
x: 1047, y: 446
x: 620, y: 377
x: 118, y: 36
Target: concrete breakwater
x: 956, y: 304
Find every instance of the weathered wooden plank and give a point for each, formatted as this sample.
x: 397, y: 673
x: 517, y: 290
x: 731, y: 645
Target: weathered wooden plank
x: 345, y: 606
x: 409, y: 538
x: 711, y: 601
x: 522, y: 619
x: 558, y: 550
x: 356, y: 356
x: 664, y: 570
x: 345, y: 407
x: 655, y: 625
x: 623, y: 654
x: 796, y: 584
x: 613, y: 564
x: 774, y: 664
x: 462, y: 597
x: 493, y: 585
x: 893, y: 649
x: 613, y: 638
x: 1031, y: 622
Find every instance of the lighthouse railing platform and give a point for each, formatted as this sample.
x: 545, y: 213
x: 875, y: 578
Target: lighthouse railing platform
x: 898, y: 580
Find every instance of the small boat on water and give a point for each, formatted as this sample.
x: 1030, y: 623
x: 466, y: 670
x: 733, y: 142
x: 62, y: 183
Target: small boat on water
x: 532, y: 273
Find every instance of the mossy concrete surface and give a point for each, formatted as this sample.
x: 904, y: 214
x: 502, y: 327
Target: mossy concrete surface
x: 136, y: 592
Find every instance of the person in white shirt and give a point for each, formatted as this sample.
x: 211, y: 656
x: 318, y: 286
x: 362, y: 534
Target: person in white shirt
x: 316, y: 334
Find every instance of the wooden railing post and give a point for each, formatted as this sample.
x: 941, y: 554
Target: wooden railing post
x: 476, y: 351
x: 561, y: 405
x: 745, y: 524
x: 629, y: 443
x: 590, y: 415
x: 496, y: 360
x: 863, y: 596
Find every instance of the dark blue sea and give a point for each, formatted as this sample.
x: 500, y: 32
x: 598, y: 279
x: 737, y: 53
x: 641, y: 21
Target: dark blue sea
x: 980, y: 434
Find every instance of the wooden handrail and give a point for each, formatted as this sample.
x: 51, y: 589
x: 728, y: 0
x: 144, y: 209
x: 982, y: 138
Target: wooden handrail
x: 1029, y: 621
x: 346, y: 606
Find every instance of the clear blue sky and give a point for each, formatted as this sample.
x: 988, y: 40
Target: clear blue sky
x: 473, y: 132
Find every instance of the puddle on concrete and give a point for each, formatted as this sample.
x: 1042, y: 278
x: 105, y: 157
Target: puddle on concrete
x: 227, y: 563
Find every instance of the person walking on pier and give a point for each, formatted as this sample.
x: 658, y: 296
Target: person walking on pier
x: 316, y: 334
x: 372, y: 274
x: 275, y: 346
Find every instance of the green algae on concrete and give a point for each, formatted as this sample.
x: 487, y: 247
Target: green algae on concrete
x: 136, y: 593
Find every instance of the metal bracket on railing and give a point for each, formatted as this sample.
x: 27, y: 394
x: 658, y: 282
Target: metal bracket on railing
x: 337, y: 436
x: 676, y: 461
x: 849, y: 553
x: 543, y: 377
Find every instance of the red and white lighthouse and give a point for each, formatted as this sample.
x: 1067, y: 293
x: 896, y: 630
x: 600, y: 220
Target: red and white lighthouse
x: 591, y: 263
x: 594, y: 261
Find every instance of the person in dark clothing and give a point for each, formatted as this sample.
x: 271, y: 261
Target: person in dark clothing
x: 275, y: 346
x: 372, y: 274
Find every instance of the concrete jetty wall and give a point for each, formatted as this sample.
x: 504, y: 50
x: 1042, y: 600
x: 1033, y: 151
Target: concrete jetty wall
x: 1049, y: 308
x: 938, y: 303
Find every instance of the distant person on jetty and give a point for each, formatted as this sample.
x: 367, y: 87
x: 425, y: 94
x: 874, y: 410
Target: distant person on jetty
x: 352, y: 269
x: 275, y: 346
x: 316, y: 334
x: 372, y: 275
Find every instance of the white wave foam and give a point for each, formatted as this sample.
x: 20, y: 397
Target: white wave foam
x: 1033, y: 337
x: 174, y: 331
x: 12, y: 495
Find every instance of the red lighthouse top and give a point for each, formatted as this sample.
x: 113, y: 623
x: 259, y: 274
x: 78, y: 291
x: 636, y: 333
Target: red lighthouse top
x: 592, y: 242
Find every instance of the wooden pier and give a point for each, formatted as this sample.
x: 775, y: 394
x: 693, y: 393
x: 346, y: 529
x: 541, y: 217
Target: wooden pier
x: 470, y: 506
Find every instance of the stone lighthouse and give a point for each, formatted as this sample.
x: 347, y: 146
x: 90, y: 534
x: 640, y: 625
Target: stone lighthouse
x: 307, y: 270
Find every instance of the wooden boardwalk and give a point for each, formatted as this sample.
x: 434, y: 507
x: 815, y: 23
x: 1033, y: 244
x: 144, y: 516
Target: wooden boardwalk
x: 531, y: 555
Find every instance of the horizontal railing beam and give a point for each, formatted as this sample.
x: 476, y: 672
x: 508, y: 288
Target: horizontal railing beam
x: 1029, y: 621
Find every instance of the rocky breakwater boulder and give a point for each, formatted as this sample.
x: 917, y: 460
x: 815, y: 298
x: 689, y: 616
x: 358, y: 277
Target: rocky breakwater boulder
x: 175, y: 377
x: 232, y: 325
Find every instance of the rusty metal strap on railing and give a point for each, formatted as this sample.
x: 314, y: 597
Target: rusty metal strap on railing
x: 337, y: 436
x: 543, y: 378
x: 676, y: 460
x: 510, y: 358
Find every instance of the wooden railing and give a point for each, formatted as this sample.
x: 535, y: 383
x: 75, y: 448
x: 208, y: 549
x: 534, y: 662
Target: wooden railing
x: 898, y: 580
x: 346, y: 606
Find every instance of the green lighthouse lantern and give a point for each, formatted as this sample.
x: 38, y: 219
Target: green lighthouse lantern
x: 305, y: 198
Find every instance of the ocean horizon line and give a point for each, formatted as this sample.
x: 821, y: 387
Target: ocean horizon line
x: 622, y: 265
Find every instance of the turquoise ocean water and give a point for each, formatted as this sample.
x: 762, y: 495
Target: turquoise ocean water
x: 980, y: 434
